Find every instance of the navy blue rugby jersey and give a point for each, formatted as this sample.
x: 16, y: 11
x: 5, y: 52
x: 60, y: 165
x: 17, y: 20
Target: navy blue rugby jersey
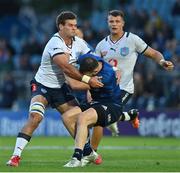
x: 110, y: 92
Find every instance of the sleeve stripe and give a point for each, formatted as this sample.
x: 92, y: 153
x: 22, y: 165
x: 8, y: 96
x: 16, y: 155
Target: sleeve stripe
x: 88, y: 52
x: 144, y: 50
x: 60, y: 53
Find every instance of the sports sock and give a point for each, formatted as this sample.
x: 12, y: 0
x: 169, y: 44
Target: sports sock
x: 125, y: 117
x: 78, y: 153
x: 21, y: 142
x: 87, y: 149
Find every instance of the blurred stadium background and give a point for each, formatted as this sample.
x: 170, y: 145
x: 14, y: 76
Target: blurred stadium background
x: 26, y: 26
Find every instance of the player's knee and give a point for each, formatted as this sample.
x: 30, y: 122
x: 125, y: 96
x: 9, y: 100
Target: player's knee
x: 37, y: 108
x: 82, y: 119
x: 71, y: 115
x: 36, y: 113
x: 66, y: 118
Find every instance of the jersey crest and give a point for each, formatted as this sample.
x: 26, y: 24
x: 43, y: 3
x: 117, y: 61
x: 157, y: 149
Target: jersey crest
x: 124, y: 51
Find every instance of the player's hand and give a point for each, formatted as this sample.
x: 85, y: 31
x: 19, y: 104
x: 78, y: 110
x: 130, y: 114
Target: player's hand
x: 167, y: 65
x: 118, y: 76
x: 95, y: 82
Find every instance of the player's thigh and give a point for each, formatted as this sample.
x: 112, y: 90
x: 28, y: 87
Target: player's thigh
x: 62, y: 99
x: 67, y: 106
x: 40, y: 99
x: 39, y: 93
x: 101, y: 112
x: 89, y: 117
x: 70, y: 116
x: 108, y: 113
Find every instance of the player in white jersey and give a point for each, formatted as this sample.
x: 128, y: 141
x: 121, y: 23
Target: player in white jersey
x: 121, y: 49
x: 49, y: 87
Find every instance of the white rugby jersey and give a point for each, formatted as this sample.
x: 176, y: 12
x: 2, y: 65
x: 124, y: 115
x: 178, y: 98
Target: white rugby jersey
x: 49, y: 74
x: 122, y: 54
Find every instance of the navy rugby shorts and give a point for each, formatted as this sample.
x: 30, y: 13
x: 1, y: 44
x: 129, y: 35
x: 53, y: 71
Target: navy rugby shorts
x: 108, y: 113
x: 54, y: 96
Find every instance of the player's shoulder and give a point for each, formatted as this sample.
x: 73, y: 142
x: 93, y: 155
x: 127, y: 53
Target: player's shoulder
x: 132, y: 38
x: 103, y: 41
x: 78, y: 39
x: 131, y: 35
x: 56, y: 39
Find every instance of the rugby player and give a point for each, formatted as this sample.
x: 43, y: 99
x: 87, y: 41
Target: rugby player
x: 104, y: 109
x: 48, y: 86
x: 121, y: 50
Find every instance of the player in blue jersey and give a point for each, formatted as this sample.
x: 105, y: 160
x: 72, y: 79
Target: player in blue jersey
x: 105, y: 108
x: 107, y: 75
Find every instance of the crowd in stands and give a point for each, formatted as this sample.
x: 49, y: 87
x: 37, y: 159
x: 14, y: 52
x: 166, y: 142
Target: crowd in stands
x: 24, y: 34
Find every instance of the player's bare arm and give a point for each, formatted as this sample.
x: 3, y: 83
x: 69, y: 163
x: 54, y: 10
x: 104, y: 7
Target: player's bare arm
x: 75, y: 84
x: 159, y: 58
x: 62, y: 60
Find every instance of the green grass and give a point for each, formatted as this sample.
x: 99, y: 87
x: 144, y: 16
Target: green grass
x: 141, y: 158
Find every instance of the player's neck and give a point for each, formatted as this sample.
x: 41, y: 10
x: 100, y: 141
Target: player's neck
x: 115, y: 37
x: 67, y: 40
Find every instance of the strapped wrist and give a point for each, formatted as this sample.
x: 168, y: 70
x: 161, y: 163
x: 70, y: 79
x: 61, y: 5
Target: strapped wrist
x: 161, y: 62
x: 85, y: 79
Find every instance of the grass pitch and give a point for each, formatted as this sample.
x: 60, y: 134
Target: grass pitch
x: 120, y: 154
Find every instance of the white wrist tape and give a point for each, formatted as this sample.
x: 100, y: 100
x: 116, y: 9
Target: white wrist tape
x: 115, y: 68
x: 85, y: 79
x: 161, y: 61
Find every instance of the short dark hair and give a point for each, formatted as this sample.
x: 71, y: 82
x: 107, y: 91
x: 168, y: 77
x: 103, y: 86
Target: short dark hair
x: 63, y: 16
x: 116, y: 13
x: 88, y: 64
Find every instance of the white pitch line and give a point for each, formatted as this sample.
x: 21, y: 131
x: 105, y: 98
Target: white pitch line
x: 101, y: 147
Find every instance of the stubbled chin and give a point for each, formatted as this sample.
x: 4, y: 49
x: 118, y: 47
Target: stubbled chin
x: 114, y: 32
x: 72, y: 35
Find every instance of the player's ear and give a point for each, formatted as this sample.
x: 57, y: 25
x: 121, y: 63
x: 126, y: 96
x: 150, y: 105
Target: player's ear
x: 60, y: 27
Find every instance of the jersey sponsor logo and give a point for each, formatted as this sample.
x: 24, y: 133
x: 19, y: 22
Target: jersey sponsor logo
x: 124, y: 51
x: 113, y: 49
x: 56, y: 48
x: 105, y: 107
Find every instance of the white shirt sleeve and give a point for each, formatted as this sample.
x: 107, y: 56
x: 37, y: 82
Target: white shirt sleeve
x: 55, y: 47
x: 140, y: 45
x: 98, y: 49
x: 84, y: 46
